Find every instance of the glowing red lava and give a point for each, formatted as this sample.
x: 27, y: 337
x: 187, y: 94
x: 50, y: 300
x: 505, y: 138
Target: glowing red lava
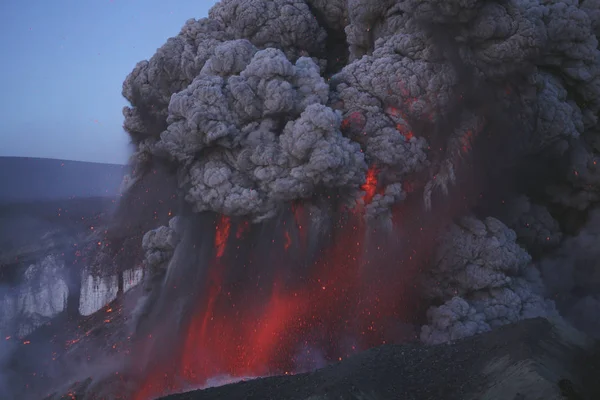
x: 334, y: 303
x: 222, y: 233
x: 370, y: 185
x: 405, y: 132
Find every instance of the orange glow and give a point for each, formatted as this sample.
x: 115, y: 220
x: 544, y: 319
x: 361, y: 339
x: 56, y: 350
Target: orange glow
x: 466, y: 141
x: 370, y: 185
x: 242, y: 229
x: 258, y: 306
x: 255, y: 329
x: 301, y: 219
x: 244, y: 343
x: 221, y: 235
x: 354, y: 119
x: 405, y: 132
x: 393, y: 111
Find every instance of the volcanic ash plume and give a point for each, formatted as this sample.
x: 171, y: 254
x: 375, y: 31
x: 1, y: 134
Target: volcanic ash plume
x: 485, y: 279
x: 339, y: 162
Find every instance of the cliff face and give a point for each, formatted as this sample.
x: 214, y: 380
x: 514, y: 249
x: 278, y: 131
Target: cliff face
x: 46, y: 254
x: 41, y: 295
x: 57, y: 251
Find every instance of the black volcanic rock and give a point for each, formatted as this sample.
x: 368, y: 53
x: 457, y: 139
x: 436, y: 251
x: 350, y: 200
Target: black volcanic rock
x: 529, y: 360
x: 34, y: 179
x: 532, y: 359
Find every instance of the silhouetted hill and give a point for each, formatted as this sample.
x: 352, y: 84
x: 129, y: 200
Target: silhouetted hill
x: 529, y: 360
x: 24, y: 179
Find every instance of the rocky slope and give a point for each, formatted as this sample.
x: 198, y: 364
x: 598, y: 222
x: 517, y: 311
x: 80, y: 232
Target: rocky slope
x: 529, y: 360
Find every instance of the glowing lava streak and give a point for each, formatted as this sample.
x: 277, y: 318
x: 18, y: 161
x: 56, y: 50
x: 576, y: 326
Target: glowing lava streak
x: 258, y: 308
x: 221, y: 235
x: 242, y: 229
x: 370, y: 185
x: 466, y: 141
x: 260, y: 334
x: 300, y: 218
x: 288, y: 240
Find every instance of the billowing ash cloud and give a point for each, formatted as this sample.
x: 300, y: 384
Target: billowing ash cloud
x: 159, y: 244
x: 264, y: 132
x: 239, y: 101
x: 484, y: 278
x: 368, y: 104
x: 534, y: 225
x: 572, y: 275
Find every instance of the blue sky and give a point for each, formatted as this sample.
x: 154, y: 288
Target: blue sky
x: 63, y: 64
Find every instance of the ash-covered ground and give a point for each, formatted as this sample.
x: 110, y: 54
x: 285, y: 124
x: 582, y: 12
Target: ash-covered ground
x: 346, y: 174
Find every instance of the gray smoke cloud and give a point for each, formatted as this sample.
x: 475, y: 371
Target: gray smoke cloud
x: 533, y: 224
x: 485, y: 280
x: 257, y: 107
x: 159, y: 244
x: 243, y: 91
x: 572, y: 275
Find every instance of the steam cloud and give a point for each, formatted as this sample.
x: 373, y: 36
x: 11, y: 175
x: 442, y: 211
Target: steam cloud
x: 389, y: 108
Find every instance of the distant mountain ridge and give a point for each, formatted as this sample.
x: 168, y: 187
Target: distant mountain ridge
x: 25, y: 179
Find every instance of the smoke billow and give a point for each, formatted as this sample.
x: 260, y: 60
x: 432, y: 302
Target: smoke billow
x: 485, y: 279
x: 309, y: 113
x: 333, y: 154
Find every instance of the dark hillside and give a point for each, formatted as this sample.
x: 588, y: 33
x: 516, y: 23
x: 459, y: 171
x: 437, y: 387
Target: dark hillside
x: 32, y: 179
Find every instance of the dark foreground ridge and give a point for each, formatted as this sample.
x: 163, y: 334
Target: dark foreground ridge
x: 529, y: 360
